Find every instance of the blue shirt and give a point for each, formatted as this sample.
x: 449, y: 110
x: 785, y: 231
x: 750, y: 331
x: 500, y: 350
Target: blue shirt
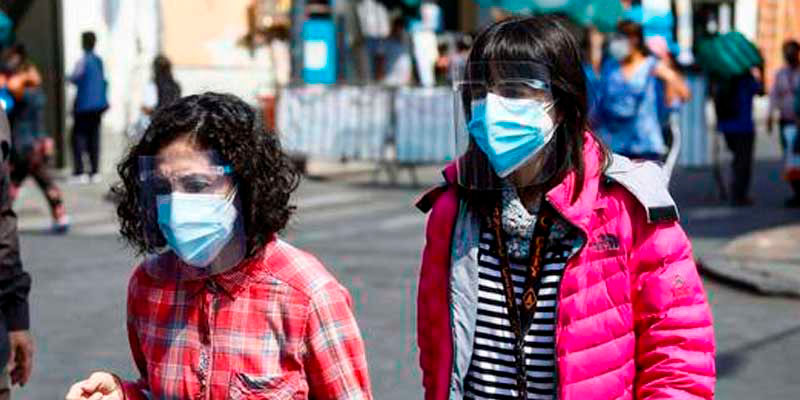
x: 641, y: 134
x: 592, y: 90
x: 741, y: 121
x: 90, y: 80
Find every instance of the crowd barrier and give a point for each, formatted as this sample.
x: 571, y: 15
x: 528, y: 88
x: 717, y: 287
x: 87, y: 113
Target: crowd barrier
x: 695, y: 151
x: 394, y: 127
x: 411, y: 126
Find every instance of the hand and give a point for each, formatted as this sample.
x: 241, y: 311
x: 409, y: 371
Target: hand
x: 48, y: 146
x: 756, y: 72
x: 99, y: 386
x: 20, y: 363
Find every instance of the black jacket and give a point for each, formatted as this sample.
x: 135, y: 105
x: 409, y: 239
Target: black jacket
x: 14, y: 282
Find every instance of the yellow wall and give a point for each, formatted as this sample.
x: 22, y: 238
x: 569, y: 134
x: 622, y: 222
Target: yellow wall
x: 204, y: 32
x: 778, y: 20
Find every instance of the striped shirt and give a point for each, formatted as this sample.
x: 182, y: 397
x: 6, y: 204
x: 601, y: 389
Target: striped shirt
x: 493, y: 373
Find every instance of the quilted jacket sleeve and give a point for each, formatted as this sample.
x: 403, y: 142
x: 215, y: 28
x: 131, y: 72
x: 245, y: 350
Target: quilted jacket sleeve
x: 675, y: 337
x: 433, y: 310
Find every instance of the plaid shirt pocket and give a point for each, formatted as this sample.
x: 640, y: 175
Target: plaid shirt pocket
x: 282, y: 387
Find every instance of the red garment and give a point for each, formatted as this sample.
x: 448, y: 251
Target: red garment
x: 278, y: 326
x: 633, y: 319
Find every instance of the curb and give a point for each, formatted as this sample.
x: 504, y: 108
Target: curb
x: 768, y: 277
x: 322, y: 170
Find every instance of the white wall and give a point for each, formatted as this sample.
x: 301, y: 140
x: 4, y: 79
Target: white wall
x: 127, y: 40
x: 746, y: 18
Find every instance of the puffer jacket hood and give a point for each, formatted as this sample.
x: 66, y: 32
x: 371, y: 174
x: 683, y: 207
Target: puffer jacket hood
x: 633, y: 319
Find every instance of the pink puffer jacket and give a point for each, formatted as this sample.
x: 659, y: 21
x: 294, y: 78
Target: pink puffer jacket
x: 633, y: 321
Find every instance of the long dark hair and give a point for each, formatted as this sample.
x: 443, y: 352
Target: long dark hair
x: 634, y: 31
x: 791, y: 51
x: 544, y: 40
x: 167, y: 87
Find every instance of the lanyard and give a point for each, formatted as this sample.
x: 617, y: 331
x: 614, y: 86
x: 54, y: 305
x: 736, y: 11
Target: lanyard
x: 521, y: 319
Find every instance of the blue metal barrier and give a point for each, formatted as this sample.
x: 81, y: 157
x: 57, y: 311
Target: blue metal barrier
x: 409, y: 126
x: 695, y: 150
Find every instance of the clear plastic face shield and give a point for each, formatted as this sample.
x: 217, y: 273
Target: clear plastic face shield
x: 505, y: 121
x: 192, y: 216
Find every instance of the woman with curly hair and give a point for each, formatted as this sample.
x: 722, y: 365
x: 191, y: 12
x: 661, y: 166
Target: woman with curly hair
x: 220, y: 307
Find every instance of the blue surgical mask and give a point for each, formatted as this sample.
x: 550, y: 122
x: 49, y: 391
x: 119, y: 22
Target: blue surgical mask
x: 197, y: 226
x: 510, y: 131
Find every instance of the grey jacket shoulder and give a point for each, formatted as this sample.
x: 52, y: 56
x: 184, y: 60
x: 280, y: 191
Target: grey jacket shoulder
x: 645, y: 180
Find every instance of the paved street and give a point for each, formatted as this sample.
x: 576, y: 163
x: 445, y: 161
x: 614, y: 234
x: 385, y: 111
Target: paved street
x: 370, y: 237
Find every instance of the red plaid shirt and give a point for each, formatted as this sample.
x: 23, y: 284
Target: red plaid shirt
x: 279, y: 327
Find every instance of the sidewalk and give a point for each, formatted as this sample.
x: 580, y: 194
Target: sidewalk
x: 766, y: 260
x: 90, y: 214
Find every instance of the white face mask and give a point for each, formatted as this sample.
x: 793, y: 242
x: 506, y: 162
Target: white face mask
x: 620, y: 49
x: 712, y: 27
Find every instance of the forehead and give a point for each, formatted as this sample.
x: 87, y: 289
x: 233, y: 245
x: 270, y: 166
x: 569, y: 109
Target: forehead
x: 505, y: 70
x: 183, y: 155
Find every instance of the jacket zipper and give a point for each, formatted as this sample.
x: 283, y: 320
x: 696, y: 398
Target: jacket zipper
x: 558, y: 303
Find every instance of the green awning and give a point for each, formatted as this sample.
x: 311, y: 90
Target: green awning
x: 6, y: 29
x: 604, y: 14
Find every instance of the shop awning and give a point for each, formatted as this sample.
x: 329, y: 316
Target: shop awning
x: 6, y: 29
x: 602, y: 13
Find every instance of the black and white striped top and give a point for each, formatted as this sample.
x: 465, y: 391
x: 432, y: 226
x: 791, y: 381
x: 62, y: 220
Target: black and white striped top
x: 492, y: 373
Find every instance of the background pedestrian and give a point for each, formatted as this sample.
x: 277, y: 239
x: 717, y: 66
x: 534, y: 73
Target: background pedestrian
x: 782, y: 102
x: 733, y: 102
x: 90, y: 104
x: 32, y: 145
x: 628, y: 111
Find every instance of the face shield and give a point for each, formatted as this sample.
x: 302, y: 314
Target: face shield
x: 504, y: 125
x: 192, y: 216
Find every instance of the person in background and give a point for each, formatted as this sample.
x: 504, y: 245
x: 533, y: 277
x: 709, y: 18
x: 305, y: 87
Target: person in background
x: 32, y: 146
x: 628, y: 111
x: 203, y: 196
x: 162, y: 90
x: 782, y: 100
x: 90, y: 104
x: 16, y: 342
x: 458, y: 61
x: 443, y: 62
x: 394, y: 65
x: 592, y: 63
x: 669, y: 99
x: 733, y: 102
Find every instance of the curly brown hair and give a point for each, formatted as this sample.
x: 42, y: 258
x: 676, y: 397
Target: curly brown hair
x: 264, y: 174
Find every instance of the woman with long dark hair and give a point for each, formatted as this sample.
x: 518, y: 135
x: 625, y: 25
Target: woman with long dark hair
x: 161, y: 91
x: 552, y: 268
x: 628, y: 112
x: 167, y: 88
